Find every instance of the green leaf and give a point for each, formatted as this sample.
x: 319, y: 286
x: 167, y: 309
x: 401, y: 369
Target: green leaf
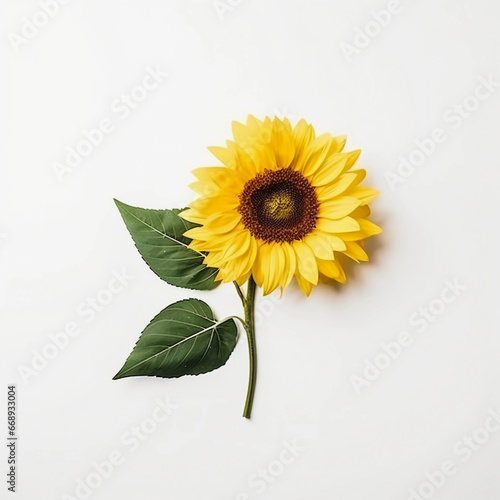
x: 184, y: 339
x: 158, y: 235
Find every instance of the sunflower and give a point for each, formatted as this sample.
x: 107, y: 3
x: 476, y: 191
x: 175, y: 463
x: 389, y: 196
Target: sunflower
x: 284, y: 204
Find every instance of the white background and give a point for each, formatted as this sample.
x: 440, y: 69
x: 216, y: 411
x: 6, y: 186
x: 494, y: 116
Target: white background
x: 63, y: 239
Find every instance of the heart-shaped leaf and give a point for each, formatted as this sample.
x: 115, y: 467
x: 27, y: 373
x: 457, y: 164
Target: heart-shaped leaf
x: 184, y: 339
x: 158, y: 235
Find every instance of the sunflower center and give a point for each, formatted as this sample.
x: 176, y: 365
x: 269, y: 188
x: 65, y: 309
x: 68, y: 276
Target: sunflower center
x: 279, y: 205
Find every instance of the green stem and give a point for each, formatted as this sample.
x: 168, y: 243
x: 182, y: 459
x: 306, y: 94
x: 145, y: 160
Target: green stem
x: 249, y: 306
x: 240, y: 293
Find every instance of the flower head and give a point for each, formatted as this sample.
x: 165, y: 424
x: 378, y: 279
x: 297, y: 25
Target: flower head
x: 285, y: 204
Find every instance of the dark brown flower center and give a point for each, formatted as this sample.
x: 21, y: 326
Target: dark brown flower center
x: 279, y: 205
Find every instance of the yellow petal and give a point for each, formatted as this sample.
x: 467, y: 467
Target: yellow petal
x: 222, y: 222
x: 266, y: 132
x: 306, y: 262
x: 226, y: 156
x: 366, y: 229
x: 198, y: 233
x: 233, y: 267
x: 257, y: 268
x: 337, y: 144
x: 355, y: 252
x: 345, y: 181
x: 261, y: 149
x: 192, y: 216
x: 284, y: 148
x: 236, y: 246
x: 198, y: 245
x: 288, y: 126
x: 338, y: 208
x: 335, y: 242
x: 252, y: 137
x: 271, y: 261
x: 332, y: 269
x: 334, y: 165
x: 290, y: 265
x: 305, y: 285
x: 204, y: 188
x: 241, y: 133
x: 352, y: 158
x: 241, y: 280
x: 329, y: 170
x: 245, y: 168
x: 303, y: 135
x: 319, y: 245
x: 318, y: 151
x: 254, y: 125
x: 345, y: 225
x: 361, y: 212
x: 360, y: 175
x: 246, y: 261
x: 264, y: 264
x: 210, y: 205
x: 213, y: 245
x: 364, y: 194
x: 275, y: 270
x: 217, y: 175
x: 212, y: 260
